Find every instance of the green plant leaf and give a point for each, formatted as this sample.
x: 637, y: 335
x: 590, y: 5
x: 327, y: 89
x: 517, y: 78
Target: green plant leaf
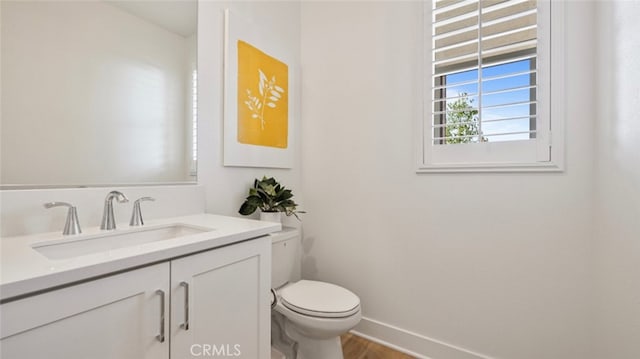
x: 284, y: 194
x: 269, y: 196
x: 269, y: 181
x: 265, y: 201
x: 269, y: 189
x: 247, y: 209
x: 255, y: 201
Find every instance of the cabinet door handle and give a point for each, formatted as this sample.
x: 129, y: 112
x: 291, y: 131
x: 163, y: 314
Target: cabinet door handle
x: 185, y: 325
x: 160, y: 336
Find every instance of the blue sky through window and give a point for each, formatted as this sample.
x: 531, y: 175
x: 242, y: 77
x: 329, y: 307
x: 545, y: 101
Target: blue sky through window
x: 512, y: 81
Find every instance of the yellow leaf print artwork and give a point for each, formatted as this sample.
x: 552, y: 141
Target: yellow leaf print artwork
x: 270, y: 93
x: 262, y: 98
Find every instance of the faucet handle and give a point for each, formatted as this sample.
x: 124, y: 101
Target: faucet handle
x: 119, y: 196
x: 57, y: 204
x: 72, y: 225
x: 136, y: 216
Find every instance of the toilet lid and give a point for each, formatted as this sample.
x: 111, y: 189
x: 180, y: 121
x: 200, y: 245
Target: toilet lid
x: 319, y: 299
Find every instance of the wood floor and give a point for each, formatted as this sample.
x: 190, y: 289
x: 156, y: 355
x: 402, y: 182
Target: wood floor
x: 355, y: 347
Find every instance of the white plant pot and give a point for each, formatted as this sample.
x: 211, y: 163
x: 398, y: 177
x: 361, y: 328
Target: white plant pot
x: 271, y: 217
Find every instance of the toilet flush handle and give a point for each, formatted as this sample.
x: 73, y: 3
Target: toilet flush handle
x: 274, y: 299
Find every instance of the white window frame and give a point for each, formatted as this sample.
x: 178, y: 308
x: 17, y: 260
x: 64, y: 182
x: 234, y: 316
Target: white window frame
x: 548, y: 154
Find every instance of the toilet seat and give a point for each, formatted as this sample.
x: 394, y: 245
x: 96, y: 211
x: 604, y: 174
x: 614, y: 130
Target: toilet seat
x: 319, y: 299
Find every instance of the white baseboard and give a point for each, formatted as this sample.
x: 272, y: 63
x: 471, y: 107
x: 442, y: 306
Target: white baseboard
x: 411, y: 343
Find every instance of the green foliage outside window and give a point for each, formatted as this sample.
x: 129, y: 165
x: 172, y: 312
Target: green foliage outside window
x: 462, y: 121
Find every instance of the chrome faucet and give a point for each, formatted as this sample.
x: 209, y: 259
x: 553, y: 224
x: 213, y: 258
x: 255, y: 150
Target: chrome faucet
x: 71, y: 225
x: 108, y: 218
x: 136, y: 216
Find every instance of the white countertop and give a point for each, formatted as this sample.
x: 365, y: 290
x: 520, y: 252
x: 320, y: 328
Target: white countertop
x: 24, y: 270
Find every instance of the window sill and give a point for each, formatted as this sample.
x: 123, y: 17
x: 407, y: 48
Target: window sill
x: 490, y: 168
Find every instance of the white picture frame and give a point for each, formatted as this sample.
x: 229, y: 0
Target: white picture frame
x: 240, y: 154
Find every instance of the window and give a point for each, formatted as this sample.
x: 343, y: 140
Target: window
x: 488, y: 102
x: 193, y: 171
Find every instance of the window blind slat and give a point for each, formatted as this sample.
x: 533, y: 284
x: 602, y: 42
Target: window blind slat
x: 493, y: 107
x: 456, y: 12
x: 455, y: 25
x: 509, y: 25
x: 490, y: 3
x: 454, y: 111
x: 444, y: 3
x: 503, y: 12
x: 468, y: 95
x: 473, y: 95
x: 457, y: 38
x: 509, y: 89
x: 438, y: 86
x: 514, y: 38
x: 509, y: 133
x: 457, y: 51
x: 511, y: 104
x: 502, y: 55
x: 484, y: 121
x: 485, y: 135
x: 527, y: 54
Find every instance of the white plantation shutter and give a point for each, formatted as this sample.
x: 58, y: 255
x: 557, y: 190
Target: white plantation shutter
x: 489, y: 82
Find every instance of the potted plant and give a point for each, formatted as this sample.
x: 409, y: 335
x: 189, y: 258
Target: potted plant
x: 271, y: 198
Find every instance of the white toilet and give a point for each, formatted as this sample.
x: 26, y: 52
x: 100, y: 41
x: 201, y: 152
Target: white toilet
x: 308, y: 317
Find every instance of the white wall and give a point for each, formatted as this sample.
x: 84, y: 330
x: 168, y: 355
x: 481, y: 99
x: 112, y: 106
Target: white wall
x: 226, y: 187
x: 617, y: 249
x: 497, y: 264
x: 91, y: 95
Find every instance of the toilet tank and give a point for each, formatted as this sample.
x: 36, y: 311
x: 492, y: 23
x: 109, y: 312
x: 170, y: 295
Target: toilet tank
x: 285, y: 257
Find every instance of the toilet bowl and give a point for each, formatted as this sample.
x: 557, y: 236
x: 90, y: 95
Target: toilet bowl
x: 312, y: 314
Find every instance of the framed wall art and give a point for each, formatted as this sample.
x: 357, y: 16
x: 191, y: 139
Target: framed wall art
x: 258, y: 88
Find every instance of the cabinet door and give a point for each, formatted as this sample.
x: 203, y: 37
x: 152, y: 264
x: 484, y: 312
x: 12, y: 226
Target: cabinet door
x: 114, y: 317
x: 220, y: 304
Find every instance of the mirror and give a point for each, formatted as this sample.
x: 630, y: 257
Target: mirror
x: 98, y: 93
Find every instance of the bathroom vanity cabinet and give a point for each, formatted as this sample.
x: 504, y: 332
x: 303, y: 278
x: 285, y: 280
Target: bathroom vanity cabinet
x: 229, y: 307
x: 179, y: 308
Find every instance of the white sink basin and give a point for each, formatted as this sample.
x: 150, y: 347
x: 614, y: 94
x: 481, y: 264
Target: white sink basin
x: 69, y: 247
